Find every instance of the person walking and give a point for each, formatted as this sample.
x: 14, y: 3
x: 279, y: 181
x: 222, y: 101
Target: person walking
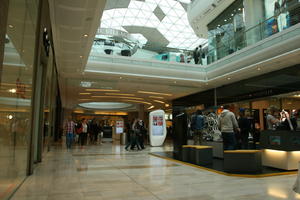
x: 228, y: 125
x: 200, y: 52
x: 94, y: 130
x: 196, y: 55
x: 142, y: 134
x: 70, y: 130
x: 84, y: 131
x: 134, y: 133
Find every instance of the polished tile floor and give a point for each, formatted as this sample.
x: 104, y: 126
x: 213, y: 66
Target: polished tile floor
x: 108, y: 172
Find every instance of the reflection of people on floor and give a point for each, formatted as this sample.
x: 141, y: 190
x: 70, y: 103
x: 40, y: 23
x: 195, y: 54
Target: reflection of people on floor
x: 69, y: 130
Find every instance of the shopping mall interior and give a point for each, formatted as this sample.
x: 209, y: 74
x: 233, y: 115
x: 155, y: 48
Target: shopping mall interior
x: 149, y: 99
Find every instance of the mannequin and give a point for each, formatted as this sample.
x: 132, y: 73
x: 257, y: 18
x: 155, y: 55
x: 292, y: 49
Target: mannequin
x: 284, y: 115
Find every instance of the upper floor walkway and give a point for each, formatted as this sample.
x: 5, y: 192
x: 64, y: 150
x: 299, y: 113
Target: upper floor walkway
x: 277, y: 51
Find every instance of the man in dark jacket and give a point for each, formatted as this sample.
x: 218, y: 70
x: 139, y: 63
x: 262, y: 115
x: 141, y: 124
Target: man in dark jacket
x: 245, y: 126
x: 197, y: 127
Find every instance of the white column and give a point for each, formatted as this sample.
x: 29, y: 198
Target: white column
x: 254, y: 14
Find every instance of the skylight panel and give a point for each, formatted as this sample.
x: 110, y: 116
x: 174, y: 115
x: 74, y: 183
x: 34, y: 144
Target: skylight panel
x: 185, y: 1
x: 119, y: 12
x: 129, y: 21
x: 135, y: 4
x: 132, y: 12
x: 165, y: 3
x: 167, y: 16
x: 148, y: 6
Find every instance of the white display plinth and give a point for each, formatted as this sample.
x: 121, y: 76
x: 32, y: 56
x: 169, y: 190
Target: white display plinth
x: 287, y: 160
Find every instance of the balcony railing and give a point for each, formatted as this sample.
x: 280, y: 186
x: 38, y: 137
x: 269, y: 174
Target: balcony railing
x: 263, y: 30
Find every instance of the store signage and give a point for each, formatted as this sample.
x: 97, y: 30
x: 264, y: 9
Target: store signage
x: 119, y: 126
x: 157, y: 124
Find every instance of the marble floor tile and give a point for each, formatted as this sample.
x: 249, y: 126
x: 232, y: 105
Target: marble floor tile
x: 108, y: 172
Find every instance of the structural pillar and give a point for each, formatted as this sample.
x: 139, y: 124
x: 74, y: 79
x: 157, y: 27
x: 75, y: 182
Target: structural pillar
x: 141, y: 112
x: 254, y: 14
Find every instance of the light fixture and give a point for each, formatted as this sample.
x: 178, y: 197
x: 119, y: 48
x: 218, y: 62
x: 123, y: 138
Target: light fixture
x: 9, y: 117
x: 10, y: 26
x: 117, y: 97
x: 228, y: 78
x: 120, y: 77
x: 258, y: 68
x: 159, y: 101
x: 121, y: 94
x: 156, y: 97
x: 80, y: 56
x: 85, y: 84
x: 78, y: 111
x: 85, y: 35
x: 101, y: 90
x: 110, y: 113
x: 167, y: 105
x: 150, y: 107
x: 143, y: 102
x: 12, y: 90
x: 157, y: 93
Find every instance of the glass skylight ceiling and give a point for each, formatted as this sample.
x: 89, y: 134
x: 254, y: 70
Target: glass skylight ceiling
x: 167, y: 16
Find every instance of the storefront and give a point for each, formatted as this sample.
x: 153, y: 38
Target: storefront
x: 28, y: 88
x: 279, y: 89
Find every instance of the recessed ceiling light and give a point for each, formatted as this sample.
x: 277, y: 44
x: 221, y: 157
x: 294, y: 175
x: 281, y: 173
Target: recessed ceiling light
x: 150, y: 107
x: 85, y: 35
x: 156, y: 97
x: 167, y: 105
x: 228, y: 78
x: 121, y: 94
x: 12, y: 90
x: 159, y: 101
x: 101, y: 90
x: 258, y: 68
x: 157, y: 93
x: 80, y: 56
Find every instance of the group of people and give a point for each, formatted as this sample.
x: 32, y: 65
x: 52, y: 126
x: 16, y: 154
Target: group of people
x: 235, y: 130
x: 80, y: 131
x: 136, y: 133
x: 197, y: 55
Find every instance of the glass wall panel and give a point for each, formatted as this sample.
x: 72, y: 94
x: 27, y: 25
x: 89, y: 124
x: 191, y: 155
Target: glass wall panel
x: 226, y: 32
x: 16, y: 93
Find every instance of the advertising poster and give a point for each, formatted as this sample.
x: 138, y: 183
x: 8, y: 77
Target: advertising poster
x: 119, y: 127
x: 157, y: 125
